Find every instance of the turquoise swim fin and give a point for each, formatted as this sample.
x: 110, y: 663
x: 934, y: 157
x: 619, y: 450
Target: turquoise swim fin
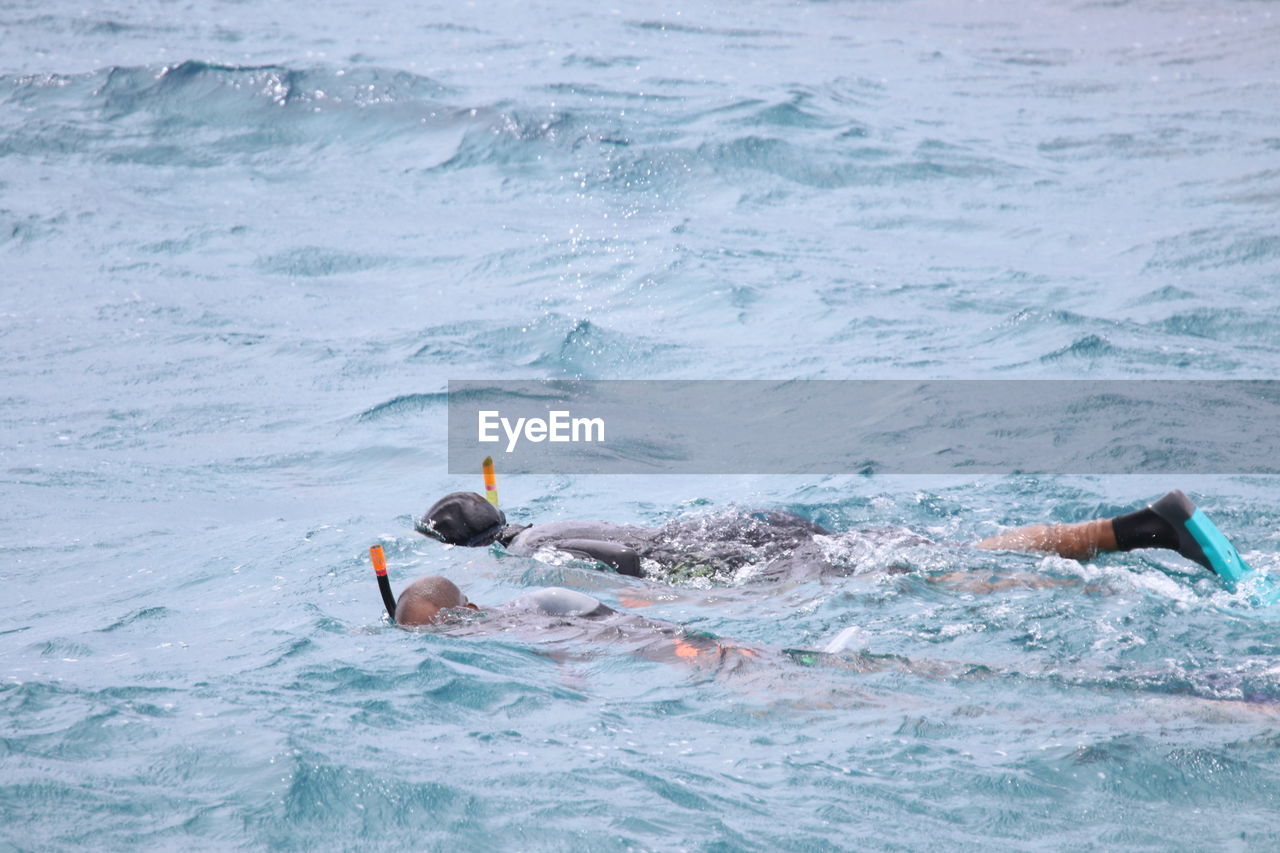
x: 1200, y: 539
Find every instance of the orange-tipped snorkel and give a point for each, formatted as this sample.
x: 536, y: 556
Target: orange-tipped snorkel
x: 490, y: 481
x: 384, y: 585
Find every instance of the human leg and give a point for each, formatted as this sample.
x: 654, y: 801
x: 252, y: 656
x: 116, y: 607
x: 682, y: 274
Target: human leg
x: 1080, y: 541
x: 1161, y: 525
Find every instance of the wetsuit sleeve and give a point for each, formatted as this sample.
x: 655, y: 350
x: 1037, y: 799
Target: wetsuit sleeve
x: 619, y: 557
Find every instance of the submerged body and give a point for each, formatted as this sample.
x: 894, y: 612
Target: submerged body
x: 554, y: 614
x: 568, y: 625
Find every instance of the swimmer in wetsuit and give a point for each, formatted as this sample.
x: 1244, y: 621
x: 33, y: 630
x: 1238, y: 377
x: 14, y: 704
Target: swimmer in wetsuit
x: 466, y: 518
x: 689, y: 547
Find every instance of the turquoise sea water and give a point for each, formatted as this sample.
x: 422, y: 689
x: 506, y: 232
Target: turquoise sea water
x: 243, y: 248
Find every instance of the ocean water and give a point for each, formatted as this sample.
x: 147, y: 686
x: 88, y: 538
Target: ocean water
x: 244, y: 247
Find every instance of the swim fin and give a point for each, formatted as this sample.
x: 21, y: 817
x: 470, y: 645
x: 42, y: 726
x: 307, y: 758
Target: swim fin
x: 1199, y: 539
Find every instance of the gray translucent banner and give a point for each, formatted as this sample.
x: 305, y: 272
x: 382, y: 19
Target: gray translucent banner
x: 873, y: 427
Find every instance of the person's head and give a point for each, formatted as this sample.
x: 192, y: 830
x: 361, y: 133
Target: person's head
x: 422, y: 600
x: 462, y: 518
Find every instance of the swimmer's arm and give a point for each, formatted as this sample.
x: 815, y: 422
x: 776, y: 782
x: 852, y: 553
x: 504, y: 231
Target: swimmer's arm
x: 620, y: 558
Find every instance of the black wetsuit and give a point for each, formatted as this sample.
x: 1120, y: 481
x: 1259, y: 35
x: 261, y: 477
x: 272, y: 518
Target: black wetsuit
x: 773, y: 544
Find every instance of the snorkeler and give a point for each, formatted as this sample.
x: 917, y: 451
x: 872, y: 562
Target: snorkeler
x: 554, y: 617
x: 434, y: 599
x: 464, y: 518
x: 719, y: 545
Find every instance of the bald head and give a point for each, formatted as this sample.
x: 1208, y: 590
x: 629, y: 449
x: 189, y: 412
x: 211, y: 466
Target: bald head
x: 423, y: 599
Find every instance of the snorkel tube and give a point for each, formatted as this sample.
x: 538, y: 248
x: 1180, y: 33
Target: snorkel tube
x: 490, y: 481
x: 384, y: 585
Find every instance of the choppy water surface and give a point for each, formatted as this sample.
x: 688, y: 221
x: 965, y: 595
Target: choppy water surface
x: 245, y: 247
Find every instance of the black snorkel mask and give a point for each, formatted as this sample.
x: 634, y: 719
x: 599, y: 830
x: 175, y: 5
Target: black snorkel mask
x: 462, y: 518
x: 485, y: 537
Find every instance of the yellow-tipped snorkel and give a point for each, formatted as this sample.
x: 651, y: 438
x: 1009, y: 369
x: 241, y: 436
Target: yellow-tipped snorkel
x: 490, y: 481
